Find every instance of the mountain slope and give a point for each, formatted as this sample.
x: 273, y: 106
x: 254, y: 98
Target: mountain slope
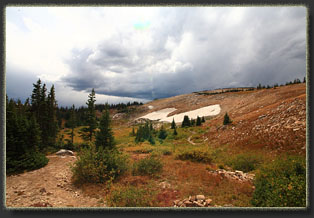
x: 270, y: 118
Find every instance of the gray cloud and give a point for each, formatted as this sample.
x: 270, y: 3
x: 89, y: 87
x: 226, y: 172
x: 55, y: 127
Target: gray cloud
x: 195, y: 49
x: 19, y: 83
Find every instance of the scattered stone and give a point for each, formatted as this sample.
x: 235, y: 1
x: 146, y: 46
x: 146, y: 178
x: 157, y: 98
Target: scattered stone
x: 193, y: 201
x: 19, y: 192
x: 237, y: 175
x: 262, y: 116
x: 43, y: 190
x: 208, y: 201
x: 41, y: 204
x: 164, y: 185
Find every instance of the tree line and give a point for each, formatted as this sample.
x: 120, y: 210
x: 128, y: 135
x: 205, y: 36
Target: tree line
x: 31, y: 128
x: 81, y: 113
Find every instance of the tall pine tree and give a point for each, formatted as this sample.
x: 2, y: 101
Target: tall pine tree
x: 198, y: 121
x: 52, y: 125
x: 72, y: 124
x: 173, y: 124
x: 104, y: 138
x: 36, y: 99
x: 186, y: 121
x: 91, y: 122
x: 227, y: 119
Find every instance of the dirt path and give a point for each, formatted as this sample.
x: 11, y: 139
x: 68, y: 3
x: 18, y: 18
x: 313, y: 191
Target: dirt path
x: 190, y: 141
x: 49, y: 186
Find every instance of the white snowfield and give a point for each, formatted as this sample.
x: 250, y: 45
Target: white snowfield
x: 158, y: 115
x: 161, y: 115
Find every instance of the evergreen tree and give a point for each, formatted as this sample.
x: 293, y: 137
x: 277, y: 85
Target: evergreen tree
x: 89, y: 132
x: 162, y: 133
x: 133, y: 132
x: 22, y: 139
x: 139, y: 135
x: 43, y: 117
x: 144, y: 133
x: 52, y: 117
x: 227, y: 119
x: 186, y: 121
x: 175, y: 131
x: 304, y: 80
x: 173, y: 124
x: 72, y: 124
x: 151, y: 139
x: 198, y: 121
x: 203, y: 119
x: 104, y: 138
x: 34, y: 133
x: 192, y: 122
x: 36, y: 99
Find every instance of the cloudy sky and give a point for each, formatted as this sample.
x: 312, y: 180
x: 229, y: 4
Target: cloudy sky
x: 143, y: 53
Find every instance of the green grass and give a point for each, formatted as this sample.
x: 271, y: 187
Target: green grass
x: 132, y: 196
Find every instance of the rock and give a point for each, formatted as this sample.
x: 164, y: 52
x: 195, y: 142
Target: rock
x: 238, y: 172
x: 208, y: 201
x: 41, y: 204
x: 200, y: 197
x: 189, y: 204
x: 20, y: 193
x: 65, y: 152
x: 180, y: 203
x: 43, y: 190
x: 118, y: 116
x: 165, y: 185
x: 261, y: 117
x: 192, y: 198
x: 176, y: 202
x: 198, y: 204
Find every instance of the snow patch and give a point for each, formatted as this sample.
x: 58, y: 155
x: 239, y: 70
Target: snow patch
x: 161, y: 115
x: 158, y: 115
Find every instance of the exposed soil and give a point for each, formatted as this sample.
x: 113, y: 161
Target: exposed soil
x: 49, y: 186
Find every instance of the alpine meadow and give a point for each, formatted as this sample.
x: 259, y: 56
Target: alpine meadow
x: 163, y: 107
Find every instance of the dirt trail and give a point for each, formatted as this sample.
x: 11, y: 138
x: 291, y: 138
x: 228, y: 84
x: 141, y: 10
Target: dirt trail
x: 49, y: 186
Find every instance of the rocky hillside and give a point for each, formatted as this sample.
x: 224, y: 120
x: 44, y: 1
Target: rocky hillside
x: 269, y: 118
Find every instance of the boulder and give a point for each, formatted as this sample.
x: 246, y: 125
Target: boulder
x: 200, y: 197
x: 63, y: 152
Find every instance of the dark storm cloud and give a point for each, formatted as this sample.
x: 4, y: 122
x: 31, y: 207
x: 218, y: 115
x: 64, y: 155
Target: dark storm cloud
x: 195, y: 49
x: 19, y: 83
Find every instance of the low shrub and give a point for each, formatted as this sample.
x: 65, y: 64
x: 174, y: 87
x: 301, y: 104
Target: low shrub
x: 98, y: 166
x: 244, y: 162
x: 195, y: 156
x: 221, y: 166
x: 130, y: 196
x: 281, y: 183
x: 166, y: 152
x: 145, y: 149
x: 148, y: 166
x: 29, y: 161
